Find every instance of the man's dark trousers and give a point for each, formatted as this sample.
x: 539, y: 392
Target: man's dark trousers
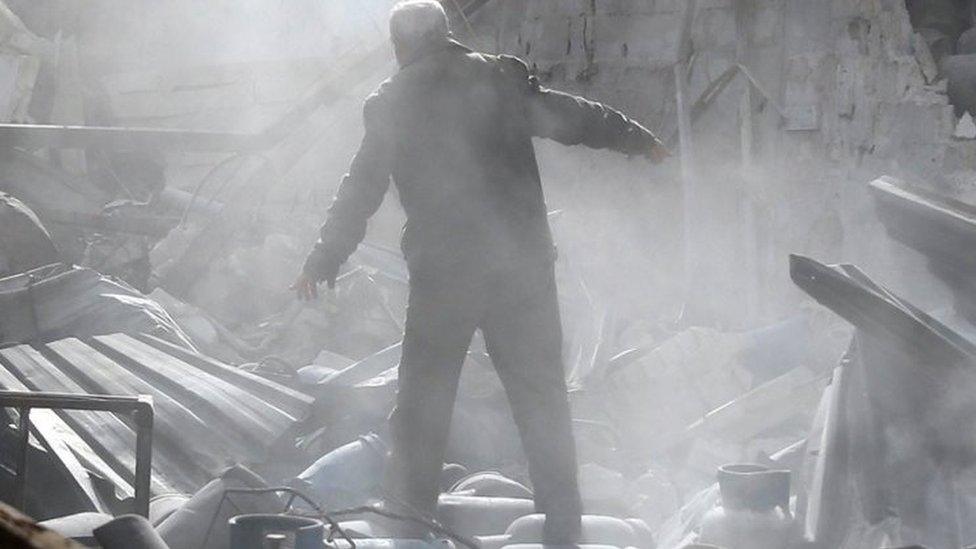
x: 518, y: 313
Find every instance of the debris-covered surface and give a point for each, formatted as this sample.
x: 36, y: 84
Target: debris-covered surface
x: 194, y: 191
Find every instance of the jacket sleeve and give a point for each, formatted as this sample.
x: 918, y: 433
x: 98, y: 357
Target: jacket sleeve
x: 574, y: 120
x: 359, y: 195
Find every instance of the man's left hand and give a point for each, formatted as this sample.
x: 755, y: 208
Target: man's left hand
x: 659, y: 153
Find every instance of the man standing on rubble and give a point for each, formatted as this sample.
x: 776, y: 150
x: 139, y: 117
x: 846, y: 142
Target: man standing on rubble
x: 454, y: 129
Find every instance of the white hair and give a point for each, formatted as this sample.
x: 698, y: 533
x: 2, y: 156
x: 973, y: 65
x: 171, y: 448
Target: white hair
x: 413, y: 21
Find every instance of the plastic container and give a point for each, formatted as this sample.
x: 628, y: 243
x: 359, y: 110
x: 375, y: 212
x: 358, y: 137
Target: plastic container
x: 379, y: 543
x: 164, y: 505
x: 129, y: 532
x: 202, y: 521
x: 491, y: 484
x: 347, y: 476
x: 481, y: 516
x: 596, y: 530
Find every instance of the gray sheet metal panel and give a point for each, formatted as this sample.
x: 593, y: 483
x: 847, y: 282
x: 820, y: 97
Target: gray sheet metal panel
x: 289, y: 401
x: 244, y: 416
x: 208, y: 415
x: 175, y: 422
x: 107, y: 434
x: 71, y: 451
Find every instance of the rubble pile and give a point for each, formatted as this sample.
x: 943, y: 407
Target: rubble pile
x: 655, y: 412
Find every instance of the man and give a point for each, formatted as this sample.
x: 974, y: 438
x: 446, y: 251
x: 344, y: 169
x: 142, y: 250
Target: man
x: 454, y: 129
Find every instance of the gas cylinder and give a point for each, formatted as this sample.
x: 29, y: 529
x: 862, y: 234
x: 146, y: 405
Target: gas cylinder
x: 755, y: 509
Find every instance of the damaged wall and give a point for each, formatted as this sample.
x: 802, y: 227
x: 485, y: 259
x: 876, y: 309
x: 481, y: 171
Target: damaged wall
x: 852, y: 80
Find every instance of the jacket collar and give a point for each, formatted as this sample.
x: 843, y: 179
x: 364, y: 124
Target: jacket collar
x: 433, y: 49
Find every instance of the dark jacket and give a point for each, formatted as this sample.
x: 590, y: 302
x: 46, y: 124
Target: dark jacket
x: 454, y: 130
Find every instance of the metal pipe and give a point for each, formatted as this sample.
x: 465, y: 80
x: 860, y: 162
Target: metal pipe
x: 143, y: 416
x: 23, y: 433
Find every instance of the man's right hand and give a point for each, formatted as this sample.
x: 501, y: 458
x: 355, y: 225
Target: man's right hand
x: 306, y: 288
x: 318, y: 267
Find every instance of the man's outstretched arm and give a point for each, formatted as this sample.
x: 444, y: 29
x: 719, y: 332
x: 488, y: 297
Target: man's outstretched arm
x: 573, y: 120
x: 357, y: 199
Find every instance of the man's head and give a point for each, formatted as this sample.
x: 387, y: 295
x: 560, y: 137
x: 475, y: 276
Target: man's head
x: 416, y: 25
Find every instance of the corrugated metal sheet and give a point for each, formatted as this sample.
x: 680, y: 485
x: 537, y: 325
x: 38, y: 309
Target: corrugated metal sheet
x: 208, y: 415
